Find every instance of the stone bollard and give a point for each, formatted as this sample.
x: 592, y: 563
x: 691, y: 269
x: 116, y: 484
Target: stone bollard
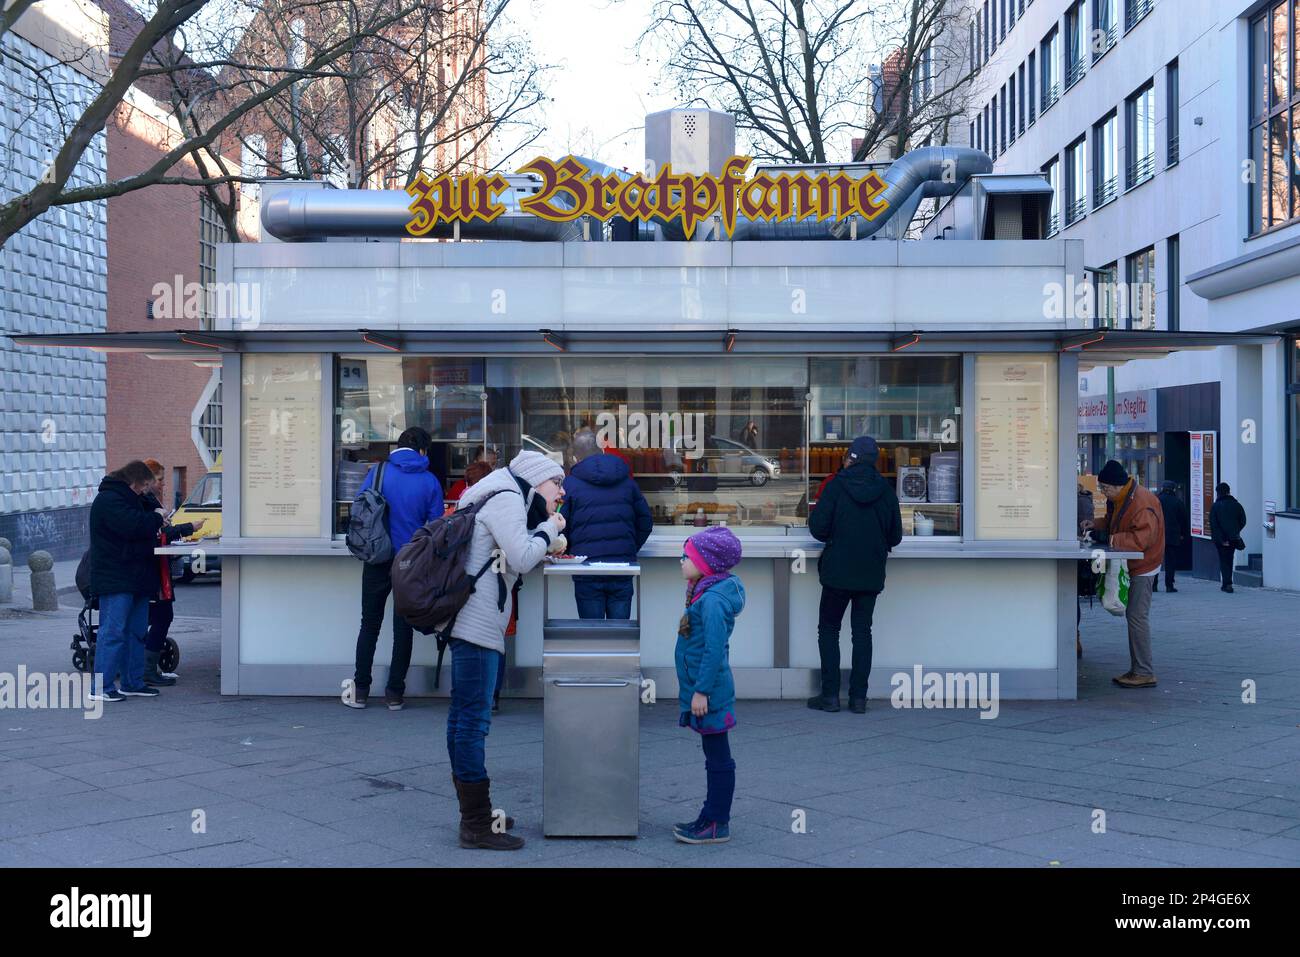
x: 45, y: 596
x: 6, y: 573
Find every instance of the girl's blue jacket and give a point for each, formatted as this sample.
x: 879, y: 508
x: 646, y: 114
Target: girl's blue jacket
x: 702, y: 657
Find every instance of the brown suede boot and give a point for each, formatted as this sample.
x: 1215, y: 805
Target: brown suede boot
x: 510, y: 822
x: 476, y: 820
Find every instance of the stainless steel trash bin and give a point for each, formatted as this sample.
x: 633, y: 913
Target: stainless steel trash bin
x: 591, y: 750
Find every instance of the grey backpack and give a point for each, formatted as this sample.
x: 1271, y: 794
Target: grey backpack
x: 368, y: 537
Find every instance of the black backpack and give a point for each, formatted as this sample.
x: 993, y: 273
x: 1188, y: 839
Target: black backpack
x: 430, y: 581
x: 368, y: 538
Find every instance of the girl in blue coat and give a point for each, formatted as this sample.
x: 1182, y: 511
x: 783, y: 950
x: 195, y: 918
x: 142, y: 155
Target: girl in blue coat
x: 707, y: 691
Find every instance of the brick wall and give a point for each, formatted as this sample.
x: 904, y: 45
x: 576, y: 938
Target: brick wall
x: 153, y: 237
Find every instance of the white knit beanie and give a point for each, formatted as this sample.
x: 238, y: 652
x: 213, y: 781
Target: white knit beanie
x: 535, y: 468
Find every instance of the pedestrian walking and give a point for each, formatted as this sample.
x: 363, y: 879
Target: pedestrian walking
x: 706, y: 687
x: 859, y: 520
x: 1227, y: 519
x: 1134, y: 522
x: 1177, y: 526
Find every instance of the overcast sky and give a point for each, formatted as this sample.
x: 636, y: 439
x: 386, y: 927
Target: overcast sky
x: 599, y: 92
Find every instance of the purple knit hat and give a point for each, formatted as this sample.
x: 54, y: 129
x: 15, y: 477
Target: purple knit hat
x: 714, y: 551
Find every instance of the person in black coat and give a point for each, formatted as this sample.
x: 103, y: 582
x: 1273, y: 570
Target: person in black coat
x: 608, y: 520
x: 1177, y: 524
x: 1227, y: 519
x: 859, y: 520
x: 123, y: 576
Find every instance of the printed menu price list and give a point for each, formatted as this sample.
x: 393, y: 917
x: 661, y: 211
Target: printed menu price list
x: 1015, y: 478
x: 281, y: 445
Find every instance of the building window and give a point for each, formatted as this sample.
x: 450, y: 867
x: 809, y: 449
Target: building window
x: 1105, y: 283
x: 973, y: 62
x: 993, y: 131
x: 1106, y: 27
x: 211, y: 232
x: 1002, y: 121
x: 1029, y: 76
x: 986, y: 31
x: 1049, y: 55
x: 1140, y: 126
x: 1020, y: 100
x: 1134, y: 11
x: 1175, y: 283
x: 1275, y: 117
x: 210, y: 420
x: 1105, y: 160
x: 1293, y: 423
x: 973, y: 141
x: 1171, y: 113
x: 252, y: 162
x: 1076, y: 180
x: 1141, y: 282
x: 1076, y: 42
x: 1052, y: 173
x: 1011, y: 109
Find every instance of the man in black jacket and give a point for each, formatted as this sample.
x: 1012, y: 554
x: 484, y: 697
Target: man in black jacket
x: 1227, y: 519
x: 123, y: 576
x: 858, y: 518
x: 1176, y: 528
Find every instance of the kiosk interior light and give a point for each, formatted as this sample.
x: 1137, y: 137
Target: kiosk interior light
x: 192, y: 340
x: 1082, y: 341
x: 729, y: 341
x: 383, y: 342
x: 553, y: 340
x: 898, y: 345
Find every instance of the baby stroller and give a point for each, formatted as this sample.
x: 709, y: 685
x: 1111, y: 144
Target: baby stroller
x: 83, y: 642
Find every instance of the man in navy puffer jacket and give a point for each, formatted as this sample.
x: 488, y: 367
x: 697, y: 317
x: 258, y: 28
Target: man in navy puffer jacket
x: 608, y: 520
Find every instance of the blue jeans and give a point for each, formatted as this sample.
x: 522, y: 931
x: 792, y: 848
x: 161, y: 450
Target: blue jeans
x: 603, y: 597
x: 473, y: 679
x: 119, y: 645
x: 720, y: 773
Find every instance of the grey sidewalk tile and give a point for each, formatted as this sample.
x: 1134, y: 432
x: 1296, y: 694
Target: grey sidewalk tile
x: 1280, y: 846
x: 232, y: 854
x: 1251, y: 821
x: 984, y: 856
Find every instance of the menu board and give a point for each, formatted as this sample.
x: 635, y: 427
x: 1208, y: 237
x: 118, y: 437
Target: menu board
x: 1204, y: 477
x: 281, y: 446
x: 1015, y: 457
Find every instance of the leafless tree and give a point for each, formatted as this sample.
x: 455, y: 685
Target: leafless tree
x: 796, y: 75
x: 231, y: 64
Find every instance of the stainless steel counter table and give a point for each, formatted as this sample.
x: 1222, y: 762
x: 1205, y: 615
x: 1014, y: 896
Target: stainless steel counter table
x: 591, y: 697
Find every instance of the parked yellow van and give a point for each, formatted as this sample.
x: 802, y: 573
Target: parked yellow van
x: 204, y: 502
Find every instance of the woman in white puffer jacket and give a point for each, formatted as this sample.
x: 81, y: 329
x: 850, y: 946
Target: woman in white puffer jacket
x: 526, y: 493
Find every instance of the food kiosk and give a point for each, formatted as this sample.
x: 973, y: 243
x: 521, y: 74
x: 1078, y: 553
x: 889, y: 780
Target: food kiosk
x: 729, y: 373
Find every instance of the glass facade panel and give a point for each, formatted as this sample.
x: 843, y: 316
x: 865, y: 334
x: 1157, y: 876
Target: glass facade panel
x: 707, y: 440
x: 912, y: 406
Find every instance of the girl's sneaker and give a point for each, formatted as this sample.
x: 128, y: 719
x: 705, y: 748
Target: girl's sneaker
x: 689, y: 825
x: 703, y: 832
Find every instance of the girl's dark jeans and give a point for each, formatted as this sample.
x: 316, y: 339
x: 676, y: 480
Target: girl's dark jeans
x: 720, y: 772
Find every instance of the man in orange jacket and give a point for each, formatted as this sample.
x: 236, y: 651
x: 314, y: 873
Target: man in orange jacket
x: 1134, y: 522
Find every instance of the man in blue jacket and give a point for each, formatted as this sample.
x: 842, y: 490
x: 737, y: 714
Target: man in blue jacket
x: 608, y: 520
x: 414, y: 497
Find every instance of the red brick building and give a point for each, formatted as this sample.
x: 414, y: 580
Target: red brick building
x: 160, y: 236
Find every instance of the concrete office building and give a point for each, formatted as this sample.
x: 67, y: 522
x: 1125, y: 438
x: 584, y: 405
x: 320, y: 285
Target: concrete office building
x: 1169, y: 130
x: 53, y: 278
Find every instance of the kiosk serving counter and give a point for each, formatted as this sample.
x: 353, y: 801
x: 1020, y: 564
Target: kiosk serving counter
x: 728, y: 407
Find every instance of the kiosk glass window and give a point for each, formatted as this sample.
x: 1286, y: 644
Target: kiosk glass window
x: 1293, y: 425
x: 912, y: 407
x: 376, y: 398
x: 708, y: 441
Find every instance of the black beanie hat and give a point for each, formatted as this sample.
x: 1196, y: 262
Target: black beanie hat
x: 1112, y: 473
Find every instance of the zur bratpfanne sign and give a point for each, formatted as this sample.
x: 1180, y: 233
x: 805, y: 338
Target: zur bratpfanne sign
x: 665, y: 197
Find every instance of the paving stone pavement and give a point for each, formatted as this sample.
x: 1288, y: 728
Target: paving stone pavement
x: 1186, y: 774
